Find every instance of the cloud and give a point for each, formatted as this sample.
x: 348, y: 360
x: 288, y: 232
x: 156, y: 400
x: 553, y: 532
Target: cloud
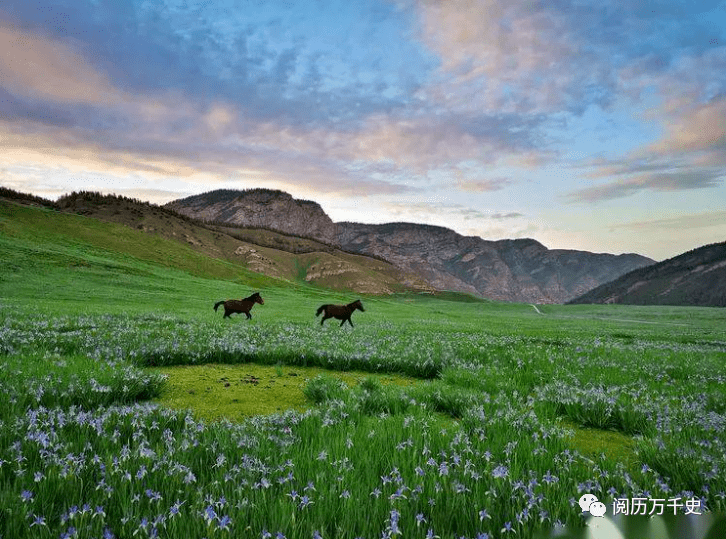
x: 681, y: 222
x: 35, y: 66
x: 480, y: 186
x: 690, y: 108
x: 657, y: 181
x: 508, y: 215
x: 514, y: 56
x: 698, y: 128
x: 449, y: 210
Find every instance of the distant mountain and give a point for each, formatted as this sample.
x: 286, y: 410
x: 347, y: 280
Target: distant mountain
x: 509, y: 270
x: 697, y: 277
x: 521, y: 270
x: 261, y: 208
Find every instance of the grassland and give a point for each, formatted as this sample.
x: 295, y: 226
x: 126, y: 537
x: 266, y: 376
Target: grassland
x: 433, y: 417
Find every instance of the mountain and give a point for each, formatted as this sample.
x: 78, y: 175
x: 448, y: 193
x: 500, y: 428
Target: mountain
x: 260, y: 208
x: 521, y: 270
x: 509, y: 270
x: 697, y: 277
x: 263, y: 251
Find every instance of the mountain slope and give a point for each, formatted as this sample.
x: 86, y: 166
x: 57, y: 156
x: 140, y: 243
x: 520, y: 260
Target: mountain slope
x: 509, y: 270
x: 697, y: 277
x: 261, y: 208
x: 262, y: 251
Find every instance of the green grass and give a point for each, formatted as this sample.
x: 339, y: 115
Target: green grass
x: 431, y: 410
x: 235, y: 392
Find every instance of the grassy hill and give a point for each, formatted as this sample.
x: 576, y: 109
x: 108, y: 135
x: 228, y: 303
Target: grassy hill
x: 262, y: 251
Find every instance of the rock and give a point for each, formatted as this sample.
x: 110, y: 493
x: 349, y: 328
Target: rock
x: 261, y: 208
x: 521, y: 270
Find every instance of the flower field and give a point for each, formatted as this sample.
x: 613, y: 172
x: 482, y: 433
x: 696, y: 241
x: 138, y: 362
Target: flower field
x: 509, y: 425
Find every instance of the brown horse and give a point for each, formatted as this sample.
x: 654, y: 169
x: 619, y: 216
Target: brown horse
x: 341, y: 312
x: 232, y: 306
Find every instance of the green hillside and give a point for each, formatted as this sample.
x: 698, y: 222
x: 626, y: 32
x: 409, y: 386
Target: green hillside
x: 66, y: 261
x: 50, y: 256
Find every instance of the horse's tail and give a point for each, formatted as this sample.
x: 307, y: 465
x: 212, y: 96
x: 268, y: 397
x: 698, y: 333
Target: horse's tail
x: 320, y: 310
x: 218, y: 304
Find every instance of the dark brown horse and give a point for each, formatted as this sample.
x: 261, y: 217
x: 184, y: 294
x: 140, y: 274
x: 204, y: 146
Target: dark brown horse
x: 341, y: 312
x: 232, y: 306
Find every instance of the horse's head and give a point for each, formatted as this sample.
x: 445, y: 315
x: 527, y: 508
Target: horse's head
x: 257, y: 298
x: 358, y: 305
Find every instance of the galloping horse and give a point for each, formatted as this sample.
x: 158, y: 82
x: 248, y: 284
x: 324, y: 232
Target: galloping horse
x: 341, y: 312
x: 232, y: 306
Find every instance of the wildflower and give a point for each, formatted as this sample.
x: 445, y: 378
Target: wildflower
x: 304, y: 502
x: 393, y: 524
x: 500, y: 471
x: 420, y: 519
x: 549, y: 478
x: 430, y: 534
x: 152, y: 495
x: 108, y: 534
x: 316, y: 535
x: 345, y: 494
x: 209, y: 514
x: 26, y: 495
x: 224, y: 523
x: 508, y: 528
x: 483, y: 514
x: 38, y: 521
x: 482, y: 535
x: 174, y: 509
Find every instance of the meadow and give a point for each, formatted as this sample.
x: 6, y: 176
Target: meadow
x: 438, y: 417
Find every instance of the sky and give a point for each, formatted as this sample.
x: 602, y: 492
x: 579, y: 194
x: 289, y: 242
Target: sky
x: 597, y: 125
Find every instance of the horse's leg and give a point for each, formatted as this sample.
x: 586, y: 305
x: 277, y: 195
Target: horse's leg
x: 343, y: 322
x: 249, y: 315
x: 350, y: 322
x: 226, y: 313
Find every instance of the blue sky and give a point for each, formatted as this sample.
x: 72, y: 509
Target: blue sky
x: 596, y: 125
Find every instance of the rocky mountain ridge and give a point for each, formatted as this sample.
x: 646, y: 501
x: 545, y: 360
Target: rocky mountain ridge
x: 521, y: 270
x: 261, y: 208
